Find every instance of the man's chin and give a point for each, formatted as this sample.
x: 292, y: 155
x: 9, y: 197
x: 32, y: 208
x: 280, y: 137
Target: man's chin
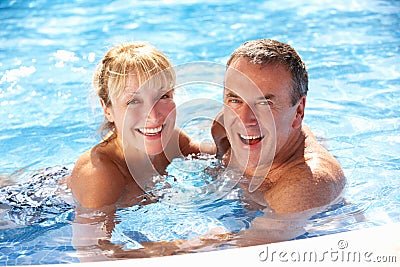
x: 246, y: 161
x: 251, y: 166
x: 153, y: 151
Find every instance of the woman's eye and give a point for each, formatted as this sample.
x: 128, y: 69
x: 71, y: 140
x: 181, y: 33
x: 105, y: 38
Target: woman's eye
x: 165, y: 96
x: 133, y: 101
x: 168, y: 95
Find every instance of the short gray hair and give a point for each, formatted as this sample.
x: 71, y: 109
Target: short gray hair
x: 267, y: 51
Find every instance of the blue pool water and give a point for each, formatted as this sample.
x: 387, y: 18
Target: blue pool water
x: 49, y: 50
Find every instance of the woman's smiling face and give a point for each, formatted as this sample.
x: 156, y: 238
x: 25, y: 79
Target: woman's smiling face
x: 144, y: 115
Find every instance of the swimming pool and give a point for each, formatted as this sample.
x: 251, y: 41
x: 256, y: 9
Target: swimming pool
x: 49, y: 50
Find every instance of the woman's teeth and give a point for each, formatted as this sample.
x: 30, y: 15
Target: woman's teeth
x: 150, y: 131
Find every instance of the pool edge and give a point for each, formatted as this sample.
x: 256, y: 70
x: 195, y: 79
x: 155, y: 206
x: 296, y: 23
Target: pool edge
x: 368, y: 246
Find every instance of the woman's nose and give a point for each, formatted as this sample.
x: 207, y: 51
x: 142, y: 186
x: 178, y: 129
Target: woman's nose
x: 153, y: 113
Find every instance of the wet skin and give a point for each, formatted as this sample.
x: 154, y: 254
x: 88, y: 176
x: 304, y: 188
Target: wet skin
x: 303, y: 174
x: 146, y: 141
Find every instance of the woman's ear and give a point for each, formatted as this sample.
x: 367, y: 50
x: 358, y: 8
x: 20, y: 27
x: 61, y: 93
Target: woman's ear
x: 107, y: 111
x: 298, y: 119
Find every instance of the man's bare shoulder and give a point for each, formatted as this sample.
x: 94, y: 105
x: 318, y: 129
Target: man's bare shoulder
x: 314, y: 181
x: 302, y: 190
x: 323, y: 165
x: 96, y: 180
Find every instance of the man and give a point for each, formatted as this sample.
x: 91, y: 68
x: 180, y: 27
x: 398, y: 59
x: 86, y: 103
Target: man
x: 266, y: 85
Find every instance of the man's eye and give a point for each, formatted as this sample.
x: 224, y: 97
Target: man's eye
x: 234, y: 101
x: 265, y: 102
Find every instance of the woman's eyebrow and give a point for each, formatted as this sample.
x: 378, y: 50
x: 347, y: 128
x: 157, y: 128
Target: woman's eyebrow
x: 129, y: 95
x: 164, y: 89
x: 130, y: 90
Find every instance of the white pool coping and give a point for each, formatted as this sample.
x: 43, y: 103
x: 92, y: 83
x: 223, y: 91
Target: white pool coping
x: 365, y: 247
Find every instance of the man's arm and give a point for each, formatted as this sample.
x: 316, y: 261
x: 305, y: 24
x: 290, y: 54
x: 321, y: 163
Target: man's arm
x: 219, y: 135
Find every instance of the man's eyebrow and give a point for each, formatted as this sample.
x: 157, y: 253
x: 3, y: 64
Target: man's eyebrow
x: 231, y: 94
x: 267, y: 96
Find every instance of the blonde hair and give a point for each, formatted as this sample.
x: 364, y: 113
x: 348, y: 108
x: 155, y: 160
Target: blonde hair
x: 137, y: 58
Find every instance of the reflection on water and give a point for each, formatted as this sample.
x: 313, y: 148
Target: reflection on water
x: 177, y: 218
x: 37, y: 200
x: 195, y: 181
x: 49, y: 50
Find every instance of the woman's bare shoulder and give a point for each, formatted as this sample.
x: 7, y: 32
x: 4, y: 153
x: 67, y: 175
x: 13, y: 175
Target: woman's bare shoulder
x: 96, y: 180
x: 92, y: 160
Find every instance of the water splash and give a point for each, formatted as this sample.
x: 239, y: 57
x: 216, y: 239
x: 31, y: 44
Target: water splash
x: 40, y: 200
x: 194, y: 181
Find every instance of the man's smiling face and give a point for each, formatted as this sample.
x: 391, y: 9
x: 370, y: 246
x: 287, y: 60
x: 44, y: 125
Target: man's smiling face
x: 258, y: 114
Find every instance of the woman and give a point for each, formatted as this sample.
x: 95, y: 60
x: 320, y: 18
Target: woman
x: 135, y: 85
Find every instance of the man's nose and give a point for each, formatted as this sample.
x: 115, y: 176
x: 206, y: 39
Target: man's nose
x: 247, y: 116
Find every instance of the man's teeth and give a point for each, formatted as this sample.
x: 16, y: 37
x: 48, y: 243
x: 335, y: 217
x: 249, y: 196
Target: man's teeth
x: 250, y: 137
x: 151, y: 131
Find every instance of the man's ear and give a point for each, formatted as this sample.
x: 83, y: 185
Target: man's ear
x: 298, y: 119
x: 107, y: 111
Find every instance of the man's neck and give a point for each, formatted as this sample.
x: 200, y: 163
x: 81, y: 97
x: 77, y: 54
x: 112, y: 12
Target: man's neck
x: 293, y: 149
